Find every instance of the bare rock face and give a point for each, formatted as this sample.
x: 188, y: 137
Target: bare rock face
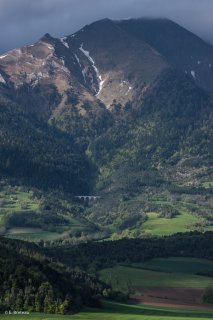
x: 32, y: 64
x: 100, y: 65
x: 120, y: 63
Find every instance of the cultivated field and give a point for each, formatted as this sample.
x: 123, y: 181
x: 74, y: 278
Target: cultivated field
x: 179, y: 282
x: 117, y: 311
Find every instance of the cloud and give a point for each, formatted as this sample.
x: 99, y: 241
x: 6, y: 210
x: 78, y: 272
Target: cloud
x: 25, y: 21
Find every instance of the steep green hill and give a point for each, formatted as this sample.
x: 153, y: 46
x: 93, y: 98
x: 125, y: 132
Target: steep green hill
x: 30, y: 281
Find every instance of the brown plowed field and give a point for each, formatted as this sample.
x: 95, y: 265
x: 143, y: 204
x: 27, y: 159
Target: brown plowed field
x: 170, y: 297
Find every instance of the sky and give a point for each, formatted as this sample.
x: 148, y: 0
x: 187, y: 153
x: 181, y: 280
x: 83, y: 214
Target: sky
x: 25, y: 21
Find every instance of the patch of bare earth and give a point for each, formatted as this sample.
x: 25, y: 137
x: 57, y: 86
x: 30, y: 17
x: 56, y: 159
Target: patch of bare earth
x: 170, y: 297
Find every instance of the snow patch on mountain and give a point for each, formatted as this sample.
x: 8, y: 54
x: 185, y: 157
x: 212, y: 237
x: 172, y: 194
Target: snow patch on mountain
x: 86, y: 53
x: 2, y: 79
x: 4, y: 56
x: 84, y: 72
x: 64, y: 42
x: 78, y: 60
x: 193, y: 74
x: 101, y: 83
x: 129, y: 89
x: 99, y: 77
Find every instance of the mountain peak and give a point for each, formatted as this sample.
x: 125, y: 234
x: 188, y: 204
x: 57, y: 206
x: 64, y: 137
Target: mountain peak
x: 181, y: 48
x: 102, y: 24
x: 47, y: 37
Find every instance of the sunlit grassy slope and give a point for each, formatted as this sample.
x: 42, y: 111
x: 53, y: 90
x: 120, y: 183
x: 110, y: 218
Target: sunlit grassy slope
x: 163, y: 226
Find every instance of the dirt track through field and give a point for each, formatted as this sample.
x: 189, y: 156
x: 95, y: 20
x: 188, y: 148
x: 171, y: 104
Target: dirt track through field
x: 170, y: 297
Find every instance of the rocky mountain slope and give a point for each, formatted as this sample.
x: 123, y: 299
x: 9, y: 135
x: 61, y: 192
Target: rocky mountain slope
x: 182, y: 49
x: 100, y: 63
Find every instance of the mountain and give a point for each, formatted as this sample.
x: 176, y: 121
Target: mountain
x: 99, y: 59
x: 56, y: 83
x: 182, y: 49
x: 122, y: 109
x: 157, y: 157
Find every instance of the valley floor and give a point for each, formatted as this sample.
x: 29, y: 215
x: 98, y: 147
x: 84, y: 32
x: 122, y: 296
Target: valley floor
x: 117, y: 311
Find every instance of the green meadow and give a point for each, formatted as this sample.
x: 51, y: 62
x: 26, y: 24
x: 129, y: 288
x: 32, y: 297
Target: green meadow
x: 118, y: 311
x: 180, y: 265
x: 171, y: 272
x: 163, y: 226
x: 14, y: 201
x: 119, y: 276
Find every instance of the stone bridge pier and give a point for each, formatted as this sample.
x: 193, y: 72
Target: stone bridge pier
x: 88, y: 198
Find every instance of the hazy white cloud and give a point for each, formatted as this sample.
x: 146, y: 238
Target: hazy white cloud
x: 25, y: 21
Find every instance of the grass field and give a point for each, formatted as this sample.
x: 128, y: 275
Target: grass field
x: 13, y: 200
x: 180, y: 265
x: 163, y: 282
x: 120, y: 276
x: 17, y: 201
x: 171, y: 272
x: 117, y: 311
x: 163, y: 226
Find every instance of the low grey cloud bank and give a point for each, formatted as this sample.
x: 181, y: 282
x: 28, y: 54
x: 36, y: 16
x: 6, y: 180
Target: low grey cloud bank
x: 25, y: 21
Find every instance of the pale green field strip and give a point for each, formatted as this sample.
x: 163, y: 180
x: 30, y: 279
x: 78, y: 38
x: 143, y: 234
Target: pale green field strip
x: 183, y: 265
x: 116, y: 311
x: 43, y: 235
x: 120, y: 275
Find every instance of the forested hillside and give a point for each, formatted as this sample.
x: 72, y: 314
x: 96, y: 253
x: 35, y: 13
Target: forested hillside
x: 159, y: 149
x: 30, y: 281
x: 37, y: 154
x: 49, y: 280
